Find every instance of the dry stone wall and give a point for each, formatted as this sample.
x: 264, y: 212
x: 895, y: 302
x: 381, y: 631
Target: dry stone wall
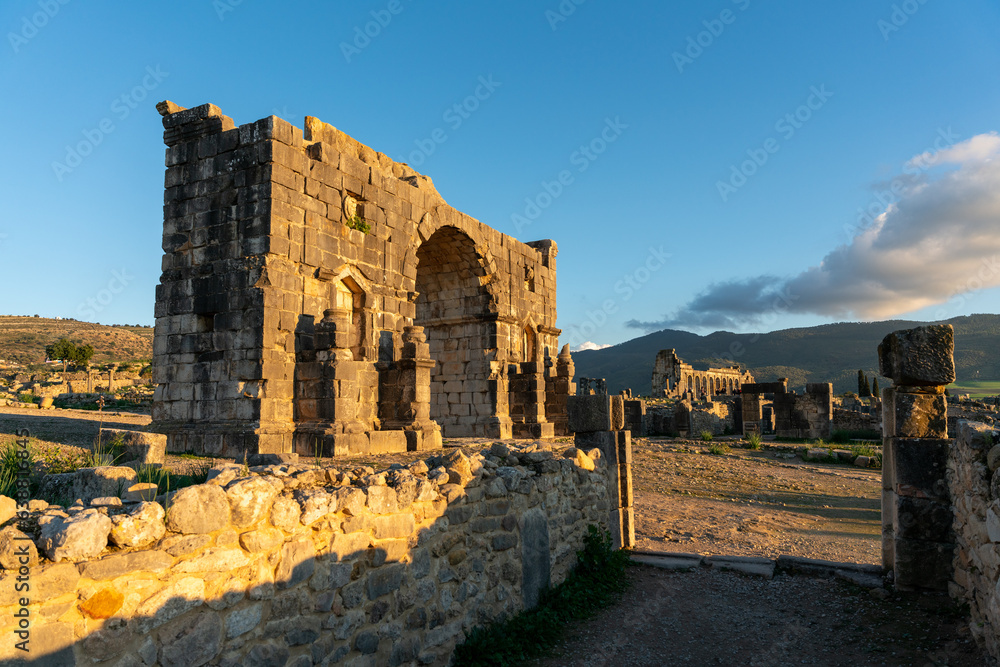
x: 975, y: 489
x: 299, y: 565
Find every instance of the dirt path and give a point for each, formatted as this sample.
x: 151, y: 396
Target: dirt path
x: 711, y: 617
x: 76, y: 428
x: 753, y: 503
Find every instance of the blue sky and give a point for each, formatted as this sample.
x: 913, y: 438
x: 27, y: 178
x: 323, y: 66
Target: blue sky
x: 701, y: 165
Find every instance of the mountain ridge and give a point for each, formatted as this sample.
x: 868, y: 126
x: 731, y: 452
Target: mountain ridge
x: 823, y: 353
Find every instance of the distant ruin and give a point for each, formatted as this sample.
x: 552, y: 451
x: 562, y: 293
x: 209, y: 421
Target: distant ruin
x: 318, y: 297
x: 673, y: 378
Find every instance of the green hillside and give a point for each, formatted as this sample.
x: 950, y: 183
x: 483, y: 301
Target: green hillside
x: 826, y: 353
x: 23, y: 339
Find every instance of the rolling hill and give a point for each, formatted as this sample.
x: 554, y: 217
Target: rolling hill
x: 23, y: 339
x: 826, y: 353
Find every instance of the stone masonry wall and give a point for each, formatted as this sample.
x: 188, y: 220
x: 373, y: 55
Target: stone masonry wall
x: 299, y: 565
x: 281, y: 324
x: 973, y: 462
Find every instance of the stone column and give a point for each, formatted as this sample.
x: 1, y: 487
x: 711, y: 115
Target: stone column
x: 917, y: 538
x: 558, y: 388
x: 414, y: 415
x: 598, y: 421
x: 530, y: 389
x: 337, y: 392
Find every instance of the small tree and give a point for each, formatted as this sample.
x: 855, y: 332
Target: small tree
x: 63, y: 350
x: 861, y: 383
x: 868, y: 388
x: 875, y: 390
x: 83, y: 355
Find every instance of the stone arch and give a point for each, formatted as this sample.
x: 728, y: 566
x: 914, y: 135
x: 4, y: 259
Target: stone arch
x: 445, y: 219
x: 457, y: 309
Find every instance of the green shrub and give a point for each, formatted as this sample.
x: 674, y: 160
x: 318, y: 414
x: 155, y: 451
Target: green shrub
x: 106, y: 453
x: 13, y: 460
x: 756, y: 442
x: 718, y: 449
x: 359, y: 223
x: 56, y: 461
x: 706, y: 436
x: 597, y: 582
x: 27, y: 397
x: 870, y: 449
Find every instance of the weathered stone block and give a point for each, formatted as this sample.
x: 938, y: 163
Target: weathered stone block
x: 535, y: 563
x: 919, y: 564
x: 919, y: 415
x: 923, y: 356
x: 139, y: 446
x: 202, y: 508
x: 919, y: 465
x: 590, y: 413
x: 922, y: 519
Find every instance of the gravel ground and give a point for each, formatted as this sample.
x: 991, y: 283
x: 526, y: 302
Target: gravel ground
x: 712, y: 617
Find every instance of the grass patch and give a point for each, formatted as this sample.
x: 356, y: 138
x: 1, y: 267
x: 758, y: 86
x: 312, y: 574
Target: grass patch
x: 755, y: 441
x: 706, y: 436
x: 106, y: 453
x: 718, y: 449
x: 12, y: 459
x: 167, y: 481
x: 598, y: 581
x: 870, y: 449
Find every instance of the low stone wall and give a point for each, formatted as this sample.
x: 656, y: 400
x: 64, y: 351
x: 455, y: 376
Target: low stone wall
x: 973, y: 462
x: 851, y: 420
x: 299, y: 565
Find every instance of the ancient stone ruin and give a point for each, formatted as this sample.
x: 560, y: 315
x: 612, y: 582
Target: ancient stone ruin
x: 792, y: 415
x: 675, y: 379
x: 318, y: 297
x: 917, y: 536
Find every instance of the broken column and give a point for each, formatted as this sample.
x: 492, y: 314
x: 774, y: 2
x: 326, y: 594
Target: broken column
x: 558, y: 387
x: 917, y: 537
x: 413, y: 412
x: 598, y: 421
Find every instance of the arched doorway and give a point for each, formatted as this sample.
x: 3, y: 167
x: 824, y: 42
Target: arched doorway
x: 459, y: 318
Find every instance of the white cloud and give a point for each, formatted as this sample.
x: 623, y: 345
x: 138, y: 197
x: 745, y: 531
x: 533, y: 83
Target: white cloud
x: 589, y: 345
x: 939, y: 240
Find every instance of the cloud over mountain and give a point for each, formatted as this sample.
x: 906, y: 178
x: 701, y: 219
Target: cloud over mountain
x: 939, y: 239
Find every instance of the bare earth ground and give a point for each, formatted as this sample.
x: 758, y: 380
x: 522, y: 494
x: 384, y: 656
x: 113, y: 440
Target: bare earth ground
x: 748, y: 503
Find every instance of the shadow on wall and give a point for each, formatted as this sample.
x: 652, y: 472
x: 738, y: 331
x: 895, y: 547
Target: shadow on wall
x: 298, y: 563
